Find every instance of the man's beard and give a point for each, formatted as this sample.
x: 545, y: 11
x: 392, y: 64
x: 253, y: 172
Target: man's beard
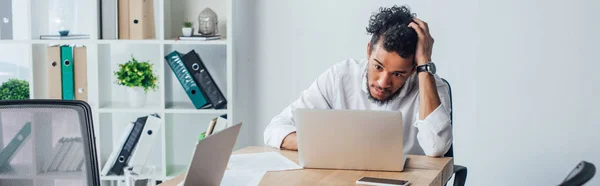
x: 381, y: 102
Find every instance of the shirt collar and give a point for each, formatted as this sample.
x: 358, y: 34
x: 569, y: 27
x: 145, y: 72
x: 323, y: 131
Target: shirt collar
x: 403, y: 90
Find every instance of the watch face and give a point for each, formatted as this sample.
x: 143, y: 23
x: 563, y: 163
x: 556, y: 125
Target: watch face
x: 432, y: 68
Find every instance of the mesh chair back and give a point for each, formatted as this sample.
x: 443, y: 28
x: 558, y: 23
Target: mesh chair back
x: 47, y: 142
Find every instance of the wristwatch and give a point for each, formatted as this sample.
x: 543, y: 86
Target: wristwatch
x: 429, y: 67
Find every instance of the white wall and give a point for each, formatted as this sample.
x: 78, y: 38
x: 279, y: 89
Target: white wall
x: 522, y: 74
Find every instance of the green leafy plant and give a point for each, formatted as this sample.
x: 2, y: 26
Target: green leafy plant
x: 136, y: 73
x: 14, y: 89
x: 187, y: 24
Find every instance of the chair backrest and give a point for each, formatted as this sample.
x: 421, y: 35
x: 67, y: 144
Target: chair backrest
x: 450, y: 152
x: 581, y: 174
x: 47, y: 142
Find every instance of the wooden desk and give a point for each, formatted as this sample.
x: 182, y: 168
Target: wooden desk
x: 419, y: 170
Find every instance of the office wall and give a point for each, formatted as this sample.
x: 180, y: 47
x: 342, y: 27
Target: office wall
x: 522, y: 73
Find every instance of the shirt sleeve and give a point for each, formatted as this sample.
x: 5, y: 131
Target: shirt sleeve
x: 317, y: 96
x: 435, y: 131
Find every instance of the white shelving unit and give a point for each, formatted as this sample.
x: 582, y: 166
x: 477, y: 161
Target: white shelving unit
x: 182, y: 122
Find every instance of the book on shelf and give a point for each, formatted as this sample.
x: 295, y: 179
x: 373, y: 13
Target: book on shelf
x: 205, y: 81
x: 135, y: 145
x: 216, y: 124
x: 199, y: 38
x: 67, y: 37
x: 66, y: 156
x: 67, y: 72
x: 191, y: 88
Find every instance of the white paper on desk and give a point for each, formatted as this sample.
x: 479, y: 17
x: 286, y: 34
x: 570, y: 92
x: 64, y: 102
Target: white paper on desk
x: 266, y: 161
x: 240, y: 178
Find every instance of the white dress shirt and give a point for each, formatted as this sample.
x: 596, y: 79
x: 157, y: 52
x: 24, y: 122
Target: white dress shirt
x: 344, y: 86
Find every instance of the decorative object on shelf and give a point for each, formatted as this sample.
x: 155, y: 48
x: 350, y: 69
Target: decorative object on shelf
x: 208, y: 22
x: 139, y: 78
x: 63, y: 16
x: 187, y: 29
x: 14, y: 89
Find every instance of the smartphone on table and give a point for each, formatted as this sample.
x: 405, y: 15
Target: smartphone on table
x: 381, y: 181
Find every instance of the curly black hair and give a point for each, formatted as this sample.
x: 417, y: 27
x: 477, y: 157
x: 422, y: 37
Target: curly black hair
x: 391, y: 26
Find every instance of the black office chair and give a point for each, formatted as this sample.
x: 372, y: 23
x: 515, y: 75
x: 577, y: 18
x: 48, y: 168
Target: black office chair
x: 48, y: 142
x: 583, y: 172
x: 460, y: 172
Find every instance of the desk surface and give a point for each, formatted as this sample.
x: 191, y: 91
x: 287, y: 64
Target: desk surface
x: 419, y: 170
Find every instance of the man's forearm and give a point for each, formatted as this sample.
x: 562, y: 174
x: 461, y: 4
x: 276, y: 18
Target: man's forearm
x: 289, y: 142
x: 428, y: 95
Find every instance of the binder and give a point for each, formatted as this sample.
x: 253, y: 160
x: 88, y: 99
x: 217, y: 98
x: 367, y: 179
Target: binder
x: 127, y: 148
x: 61, y: 155
x: 14, y: 145
x: 117, y: 149
x: 75, y: 151
x: 186, y: 80
x: 211, y: 127
x: 123, y: 14
x: 66, y: 157
x: 54, y: 155
x: 202, y: 76
x: 6, y: 30
x: 78, y: 156
x: 146, y: 142
x: 80, y: 67
x: 141, y: 19
x: 66, y: 56
x: 220, y: 124
x: 54, y: 73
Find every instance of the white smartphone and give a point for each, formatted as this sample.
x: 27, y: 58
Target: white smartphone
x: 381, y: 181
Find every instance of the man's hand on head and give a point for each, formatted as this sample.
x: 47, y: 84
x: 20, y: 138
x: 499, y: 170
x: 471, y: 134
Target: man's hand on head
x: 425, y: 43
x: 289, y: 142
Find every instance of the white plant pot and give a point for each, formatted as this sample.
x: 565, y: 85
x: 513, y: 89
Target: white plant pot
x: 136, y: 96
x: 187, y: 32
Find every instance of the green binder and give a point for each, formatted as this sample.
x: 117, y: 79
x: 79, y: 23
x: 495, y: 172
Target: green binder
x: 68, y: 82
x: 188, y: 83
x: 8, y: 153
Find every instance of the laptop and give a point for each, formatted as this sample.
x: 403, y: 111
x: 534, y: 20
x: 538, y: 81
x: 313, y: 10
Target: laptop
x: 350, y: 139
x: 211, y: 157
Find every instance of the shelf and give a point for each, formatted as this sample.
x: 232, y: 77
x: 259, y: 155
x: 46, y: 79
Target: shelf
x: 114, y: 42
x: 156, y: 176
x: 118, y: 107
x: 17, y: 171
x: 187, y: 108
x: 61, y: 175
x: 176, y: 170
x: 112, y: 178
x: 211, y: 42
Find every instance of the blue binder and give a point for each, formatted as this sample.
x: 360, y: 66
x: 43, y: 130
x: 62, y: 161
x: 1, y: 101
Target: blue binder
x: 175, y: 61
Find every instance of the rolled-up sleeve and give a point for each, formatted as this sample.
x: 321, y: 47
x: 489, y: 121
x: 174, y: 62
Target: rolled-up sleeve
x: 316, y: 96
x: 435, y: 131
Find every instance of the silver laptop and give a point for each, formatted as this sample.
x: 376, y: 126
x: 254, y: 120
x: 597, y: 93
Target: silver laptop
x: 350, y: 139
x: 211, y: 157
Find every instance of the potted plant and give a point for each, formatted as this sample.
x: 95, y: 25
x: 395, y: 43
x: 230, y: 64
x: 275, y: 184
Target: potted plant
x: 14, y: 89
x: 187, y: 29
x: 139, y: 78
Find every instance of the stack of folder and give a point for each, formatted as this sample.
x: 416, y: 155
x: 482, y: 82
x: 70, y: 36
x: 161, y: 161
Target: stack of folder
x: 67, y: 156
x: 134, y: 146
x: 67, y: 72
x: 196, y: 80
x: 136, y: 19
